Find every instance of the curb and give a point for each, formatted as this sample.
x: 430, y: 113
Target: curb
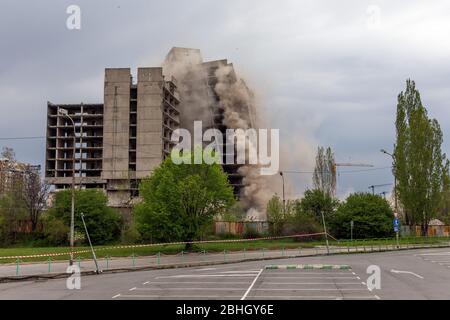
x: 50, y: 276
x: 310, y: 266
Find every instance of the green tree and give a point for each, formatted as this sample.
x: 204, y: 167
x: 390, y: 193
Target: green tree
x: 371, y: 214
x: 181, y: 200
x: 12, y: 211
x: 277, y: 216
x: 315, y: 202
x: 304, y: 222
x: 420, y: 166
x: 324, y: 177
x: 103, y: 222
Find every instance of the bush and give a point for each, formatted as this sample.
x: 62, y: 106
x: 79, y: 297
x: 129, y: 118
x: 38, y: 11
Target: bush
x: 250, y: 233
x: 130, y: 235
x: 371, y: 214
x: 103, y: 223
x: 55, y: 231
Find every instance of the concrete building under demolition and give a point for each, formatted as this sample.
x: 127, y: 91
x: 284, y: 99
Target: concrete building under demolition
x: 120, y: 142
x: 117, y: 143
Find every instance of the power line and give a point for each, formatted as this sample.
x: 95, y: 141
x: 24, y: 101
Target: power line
x: 339, y: 172
x: 23, y: 138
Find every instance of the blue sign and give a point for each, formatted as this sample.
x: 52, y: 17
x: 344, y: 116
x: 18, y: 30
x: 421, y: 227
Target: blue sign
x: 395, y: 224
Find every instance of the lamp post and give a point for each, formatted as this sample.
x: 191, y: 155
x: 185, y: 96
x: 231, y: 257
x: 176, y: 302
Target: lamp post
x: 65, y: 113
x: 395, y: 190
x: 284, y: 200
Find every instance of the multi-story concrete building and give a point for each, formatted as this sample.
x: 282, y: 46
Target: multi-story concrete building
x: 120, y: 141
x: 117, y: 143
x: 204, y: 74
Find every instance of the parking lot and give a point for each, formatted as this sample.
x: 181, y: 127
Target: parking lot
x: 268, y: 283
x: 408, y: 274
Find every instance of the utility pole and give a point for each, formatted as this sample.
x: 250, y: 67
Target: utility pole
x: 284, y: 199
x: 65, y: 113
x: 395, y: 192
x: 325, y: 231
x: 352, y: 223
x: 90, y: 244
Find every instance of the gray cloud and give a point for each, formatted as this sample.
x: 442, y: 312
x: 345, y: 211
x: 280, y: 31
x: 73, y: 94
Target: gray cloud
x: 320, y: 73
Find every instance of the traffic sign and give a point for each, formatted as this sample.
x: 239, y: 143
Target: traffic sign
x: 396, y: 224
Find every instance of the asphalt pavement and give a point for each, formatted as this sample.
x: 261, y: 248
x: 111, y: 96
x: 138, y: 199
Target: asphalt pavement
x: 406, y: 274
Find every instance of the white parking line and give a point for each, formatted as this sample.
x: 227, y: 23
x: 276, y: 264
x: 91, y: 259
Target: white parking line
x: 272, y: 272
x: 206, y: 276
x: 116, y: 296
x: 197, y: 282
x: 434, y: 254
x: 250, y: 271
x: 310, y: 289
x: 134, y: 296
x: 268, y: 277
x: 312, y: 283
x: 181, y: 289
x: 204, y: 269
x: 313, y: 297
x: 251, y: 286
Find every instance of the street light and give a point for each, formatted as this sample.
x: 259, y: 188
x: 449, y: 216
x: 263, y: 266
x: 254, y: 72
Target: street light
x: 395, y: 188
x: 284, y: 200
x: 65, y: 113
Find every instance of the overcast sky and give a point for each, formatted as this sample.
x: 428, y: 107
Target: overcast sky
x: 325, y: 72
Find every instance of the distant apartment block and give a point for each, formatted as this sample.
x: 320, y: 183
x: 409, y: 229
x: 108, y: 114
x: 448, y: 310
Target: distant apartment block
x: 13, y: 174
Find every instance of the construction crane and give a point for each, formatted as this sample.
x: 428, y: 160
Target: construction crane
x: 363, y: 165
x: 384, y: 193
x: 379, y: 186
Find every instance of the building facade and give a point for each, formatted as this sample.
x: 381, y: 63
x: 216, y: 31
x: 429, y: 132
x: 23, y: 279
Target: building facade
x: 13, y: 174
x: 200, y: 80
x: 117, y: 143
x: 121, y: 141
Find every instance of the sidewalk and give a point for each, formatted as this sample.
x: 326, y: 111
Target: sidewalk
x: 53, y: 268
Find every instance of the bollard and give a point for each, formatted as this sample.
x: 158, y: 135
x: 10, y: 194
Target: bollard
x: 134, y: 260
x: 262, y: 250
x: 17, y: 266
x: 49, y: 265
x: 107, y: 262
x: 158, y: 258
x: 282, y: 252
x: 224, y: 255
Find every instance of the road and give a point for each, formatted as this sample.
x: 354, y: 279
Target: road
x: 409, y: 274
